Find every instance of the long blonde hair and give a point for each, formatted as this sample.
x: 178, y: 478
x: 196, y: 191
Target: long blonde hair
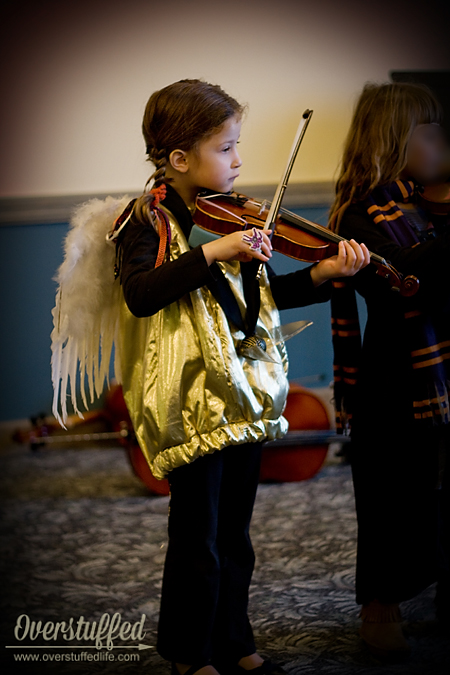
x: 376, y: 145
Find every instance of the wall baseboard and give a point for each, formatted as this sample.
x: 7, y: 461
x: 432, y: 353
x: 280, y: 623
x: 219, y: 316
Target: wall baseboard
x: 57, y: 209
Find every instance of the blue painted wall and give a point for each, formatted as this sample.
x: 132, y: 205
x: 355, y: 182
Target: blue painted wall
x: 30, y: 257
x: 310, y: 353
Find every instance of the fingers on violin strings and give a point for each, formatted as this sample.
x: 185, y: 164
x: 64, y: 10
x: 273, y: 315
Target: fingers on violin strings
x: 366, y: 255
x: 349, y: 255
x: 357, y: 253
x: 343, y: 249
x: 360, y: 255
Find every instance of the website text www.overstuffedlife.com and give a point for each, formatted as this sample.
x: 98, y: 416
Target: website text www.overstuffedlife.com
x: 99, y: 639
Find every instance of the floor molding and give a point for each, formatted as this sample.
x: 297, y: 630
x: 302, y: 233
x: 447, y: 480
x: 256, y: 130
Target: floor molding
x: 44, y: 210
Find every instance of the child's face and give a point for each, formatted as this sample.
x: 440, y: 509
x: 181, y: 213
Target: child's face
x: 425, y: 154
x: 215, y: 164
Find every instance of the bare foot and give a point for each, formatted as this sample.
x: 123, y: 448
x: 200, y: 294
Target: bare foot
x: 250, y: 662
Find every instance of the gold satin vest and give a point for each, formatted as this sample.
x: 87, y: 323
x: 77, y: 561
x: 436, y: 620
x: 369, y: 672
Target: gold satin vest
x: 186, y: 389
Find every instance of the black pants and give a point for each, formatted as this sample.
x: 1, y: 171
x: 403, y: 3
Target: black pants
x: 402, y: 495
x: 210, y: 559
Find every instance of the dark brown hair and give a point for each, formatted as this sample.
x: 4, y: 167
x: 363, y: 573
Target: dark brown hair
x: 179, y: 117
x: 375, y: 149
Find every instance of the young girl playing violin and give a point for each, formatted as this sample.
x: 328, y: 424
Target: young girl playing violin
x: 396, y: 391
x: 199, y: 407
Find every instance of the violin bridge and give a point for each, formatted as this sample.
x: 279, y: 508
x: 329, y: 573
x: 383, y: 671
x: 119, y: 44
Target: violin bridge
x: 264, y: 203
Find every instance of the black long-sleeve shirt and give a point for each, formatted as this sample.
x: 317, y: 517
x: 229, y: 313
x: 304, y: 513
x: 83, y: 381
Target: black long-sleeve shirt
x: 429, y: 261
x: 147, y: 290
x: 385, y: 373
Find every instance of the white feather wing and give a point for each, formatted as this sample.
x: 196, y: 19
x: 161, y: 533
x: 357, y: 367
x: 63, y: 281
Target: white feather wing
x: 85, y: 316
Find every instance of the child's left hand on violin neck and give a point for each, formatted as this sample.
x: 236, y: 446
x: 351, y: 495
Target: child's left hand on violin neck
x: 351, y: 258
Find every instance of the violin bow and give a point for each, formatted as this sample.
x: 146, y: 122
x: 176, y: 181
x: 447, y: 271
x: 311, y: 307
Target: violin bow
x: 282, y: 185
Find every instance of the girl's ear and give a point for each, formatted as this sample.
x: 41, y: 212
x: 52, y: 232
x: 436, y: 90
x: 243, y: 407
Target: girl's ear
x: 179, y: 161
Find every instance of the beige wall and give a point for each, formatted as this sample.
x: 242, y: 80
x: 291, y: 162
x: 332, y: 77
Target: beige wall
x: 77, y: 76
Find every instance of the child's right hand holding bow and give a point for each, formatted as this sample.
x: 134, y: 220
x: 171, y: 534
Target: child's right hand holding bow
x: 239, y: 246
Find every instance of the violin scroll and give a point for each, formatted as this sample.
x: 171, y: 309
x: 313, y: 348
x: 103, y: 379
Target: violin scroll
x: 409, y: 286
x: 406, y: 286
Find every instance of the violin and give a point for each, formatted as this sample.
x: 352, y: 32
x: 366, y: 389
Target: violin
x: 293, y: 236
x: 436, y: 199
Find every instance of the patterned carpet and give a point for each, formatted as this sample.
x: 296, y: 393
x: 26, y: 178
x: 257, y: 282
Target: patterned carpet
x: 81, y: 537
